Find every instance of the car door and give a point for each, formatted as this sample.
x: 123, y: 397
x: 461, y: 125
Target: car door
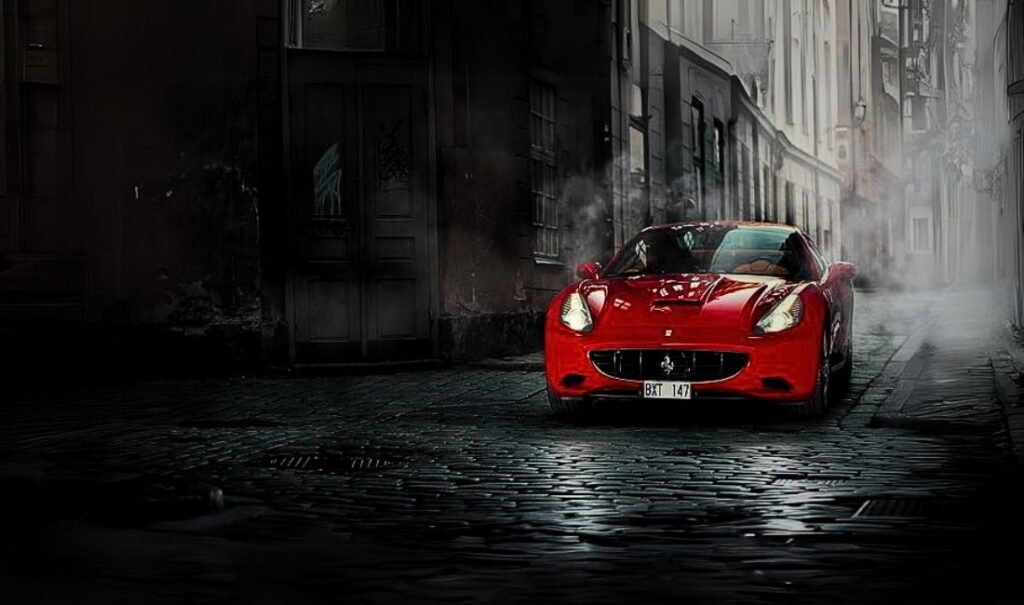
x: 839, y: 294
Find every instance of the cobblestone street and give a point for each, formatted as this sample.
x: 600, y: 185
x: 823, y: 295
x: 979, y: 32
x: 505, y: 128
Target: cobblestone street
x: 459, y: 484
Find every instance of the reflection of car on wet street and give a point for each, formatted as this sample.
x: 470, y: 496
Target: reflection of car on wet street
x: 703, y: 311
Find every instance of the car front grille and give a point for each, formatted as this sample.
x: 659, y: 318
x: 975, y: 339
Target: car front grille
x: 665, y: 364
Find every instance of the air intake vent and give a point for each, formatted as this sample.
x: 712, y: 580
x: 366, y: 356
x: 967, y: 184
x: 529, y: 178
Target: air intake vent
x: 662, y: 364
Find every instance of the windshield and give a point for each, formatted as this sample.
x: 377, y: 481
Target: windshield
x: 711, y: 249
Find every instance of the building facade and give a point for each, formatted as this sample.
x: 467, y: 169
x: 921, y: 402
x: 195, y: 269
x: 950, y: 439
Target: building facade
x: 938, y: 135
x: 322, y: 182
x: 999, y: 148
x: 298, y: 182
x: 743, y: 106
x: 869, y: 137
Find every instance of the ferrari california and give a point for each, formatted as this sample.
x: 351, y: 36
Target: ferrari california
x: 703, y: 311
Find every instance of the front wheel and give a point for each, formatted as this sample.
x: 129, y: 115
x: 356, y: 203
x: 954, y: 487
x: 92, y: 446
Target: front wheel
x: 844, y: 373
x: 567, y: 406
x: 818, y: 403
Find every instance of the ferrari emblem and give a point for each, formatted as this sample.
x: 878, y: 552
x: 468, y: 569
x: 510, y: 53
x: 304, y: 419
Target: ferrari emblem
x: 667, y: 366
x: 668, y: 331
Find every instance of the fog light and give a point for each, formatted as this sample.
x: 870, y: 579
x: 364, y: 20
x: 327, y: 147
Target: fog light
x: 572, y: 380
x: 776, y: 384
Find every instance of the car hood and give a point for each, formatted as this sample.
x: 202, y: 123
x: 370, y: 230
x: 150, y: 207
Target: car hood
x: 706, y: 300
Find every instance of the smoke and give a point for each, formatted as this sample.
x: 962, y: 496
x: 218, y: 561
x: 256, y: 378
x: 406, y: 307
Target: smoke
x: 594, y: 213
x: 587, y: 201
x: 935, y: 185
x: 596, y: 209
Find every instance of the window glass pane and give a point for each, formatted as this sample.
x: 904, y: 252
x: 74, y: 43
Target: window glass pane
x: 921, y: 234
x: 636, y: 151
x: 544, y: 177
x: 344, y: 24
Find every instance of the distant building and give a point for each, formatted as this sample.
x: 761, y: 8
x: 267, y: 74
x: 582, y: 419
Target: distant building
x: 938, y: 138
x: 743, y: 99
x: 869, y: 137
x: 999, y: 148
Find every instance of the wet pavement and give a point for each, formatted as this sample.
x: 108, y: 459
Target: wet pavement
x: 459, y: 485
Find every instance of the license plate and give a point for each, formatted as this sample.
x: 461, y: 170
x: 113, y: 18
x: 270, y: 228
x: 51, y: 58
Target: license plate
x: 664, y: 389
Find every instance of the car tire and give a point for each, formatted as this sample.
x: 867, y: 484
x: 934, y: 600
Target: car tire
x: 818, y: 403
x: 567, y: 406
x: 846, y: 372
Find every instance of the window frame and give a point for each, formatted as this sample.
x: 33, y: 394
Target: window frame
x: 295, y: 25
x: 926, y: 231
x: 544, y: 188
x: 698, y: 134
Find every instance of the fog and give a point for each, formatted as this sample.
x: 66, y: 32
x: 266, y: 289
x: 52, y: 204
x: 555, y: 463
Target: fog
x: 924, y: 197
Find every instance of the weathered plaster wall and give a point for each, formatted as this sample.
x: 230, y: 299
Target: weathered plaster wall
x: 165, y: 181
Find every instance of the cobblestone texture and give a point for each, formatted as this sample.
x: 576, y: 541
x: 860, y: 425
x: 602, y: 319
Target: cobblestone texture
x: 459, y: 485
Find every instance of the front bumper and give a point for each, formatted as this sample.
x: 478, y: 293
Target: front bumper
x: 781, y: 367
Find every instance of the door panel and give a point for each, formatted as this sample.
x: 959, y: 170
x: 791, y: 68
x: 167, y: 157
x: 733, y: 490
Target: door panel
x: 327, y: 298
x: 337, y: 295
x: 396, y: 192
x: 359, y: 146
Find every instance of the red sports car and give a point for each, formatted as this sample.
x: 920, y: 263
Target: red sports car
x: 701, y: 311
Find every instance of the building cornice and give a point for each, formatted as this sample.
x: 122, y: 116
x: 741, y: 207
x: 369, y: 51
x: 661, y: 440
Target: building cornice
x: 716, y: 63
x: 701, y: 55
x: 740, y: 93
x: 806, y: 158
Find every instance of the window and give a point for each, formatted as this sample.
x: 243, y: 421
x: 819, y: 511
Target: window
x: 773, y: 211
x: 675, y: 16
x: 829, y: 131
x: 805, y: 210
x: 819, y: 218
x: 637, y: 138
x: 732, y: 20
x: 743, y: 21
x: 769, y: 97
x: 918, y: 113
x: 697, y: 133
x: 543, y: 169
x: 921, y: 240
x: 637, y: 163
x: 636, y: 101
x: 624, y: 28
x: 829, y: 224
x: 720, y: 154
x: 790, y: 204
x: 343, y: 24
x: 719, y: 144
x: 747, y: 181
x: 803, y: 71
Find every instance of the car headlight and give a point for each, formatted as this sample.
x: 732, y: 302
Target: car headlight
x: 784, y: 315
x: 576, y: 313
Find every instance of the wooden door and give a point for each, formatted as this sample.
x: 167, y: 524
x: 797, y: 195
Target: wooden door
x: 359, y: 148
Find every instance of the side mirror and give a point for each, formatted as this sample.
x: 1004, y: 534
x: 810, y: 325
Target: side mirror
x: 844, y: 269
x: 588, y: 270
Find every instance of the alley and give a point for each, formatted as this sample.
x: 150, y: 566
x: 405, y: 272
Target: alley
x: 459, y: 484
